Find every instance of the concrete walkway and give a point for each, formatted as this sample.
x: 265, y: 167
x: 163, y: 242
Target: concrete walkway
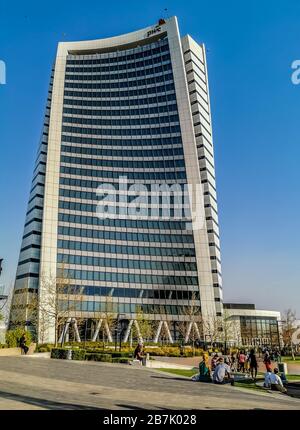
x: 37, y: 383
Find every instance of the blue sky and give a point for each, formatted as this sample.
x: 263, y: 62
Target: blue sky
x: 255, y: 110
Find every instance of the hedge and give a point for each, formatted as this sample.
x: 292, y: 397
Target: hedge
x: 122, y: 360
x: 78, y: 354
x: 60, y: 353
x: 98, y: 357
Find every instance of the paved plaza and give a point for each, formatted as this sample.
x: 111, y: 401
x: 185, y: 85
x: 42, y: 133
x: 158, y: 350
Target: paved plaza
x: 43, y: 383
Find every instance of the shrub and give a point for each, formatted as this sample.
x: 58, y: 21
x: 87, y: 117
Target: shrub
x: 44, y: 347
x: 122, y: 360
x: 60, y: 353
x: 78, y: 354
x: 98, y: 357
x: 95, y: 350
x: 121, y: 354
x: 13, y: 337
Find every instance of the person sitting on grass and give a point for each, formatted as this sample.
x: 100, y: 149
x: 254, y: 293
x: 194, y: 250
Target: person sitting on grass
x: 204, y: 369
x: 276, y: 382
x: 267, y: 383
x: 222, y: 373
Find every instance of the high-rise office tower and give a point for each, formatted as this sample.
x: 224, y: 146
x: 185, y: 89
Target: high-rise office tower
x: 124, y: 115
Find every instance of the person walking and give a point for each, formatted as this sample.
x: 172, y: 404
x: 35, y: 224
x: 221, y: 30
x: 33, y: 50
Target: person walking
x: 23, y: 345
x: 214, y: 361
x: 267, y: 361
x: 242, y: 359
x: 253, y: 364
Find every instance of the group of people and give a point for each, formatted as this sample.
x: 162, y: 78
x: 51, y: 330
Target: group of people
x: 221, y: 369
x: 240, y: 361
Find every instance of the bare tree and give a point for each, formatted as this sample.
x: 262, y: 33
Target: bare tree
x: 21, y: 309
x: 146, y: 327
x: 190, y: 328
x: 60, y: 301
x: 288, y: 328
x: 227, y: 329
x: 211, y: 326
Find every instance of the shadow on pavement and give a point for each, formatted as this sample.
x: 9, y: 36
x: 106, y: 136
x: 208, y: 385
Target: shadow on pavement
x: 47, y: 404
x: 171, y: 378
x: 139, y: 408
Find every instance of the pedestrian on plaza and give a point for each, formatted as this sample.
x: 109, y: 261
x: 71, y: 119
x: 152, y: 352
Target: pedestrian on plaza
x: 267, y: 361
x: 23, y: 345
x: 233, y: 362
x: 214, y: 361
x: 253, y: 364
x: 242, y: 359
x: 139, y: 353
x: 277, y: 355
x: 247, y: 363
x: 222, y: 373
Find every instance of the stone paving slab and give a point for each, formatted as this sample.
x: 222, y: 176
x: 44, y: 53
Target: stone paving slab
x: 33, y: 383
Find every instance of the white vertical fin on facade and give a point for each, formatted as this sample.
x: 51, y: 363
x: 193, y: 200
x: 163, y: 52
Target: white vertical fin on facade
x: 208, y: 309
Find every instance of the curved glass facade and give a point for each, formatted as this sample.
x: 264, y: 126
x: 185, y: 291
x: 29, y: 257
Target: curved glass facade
x: 122, y: 108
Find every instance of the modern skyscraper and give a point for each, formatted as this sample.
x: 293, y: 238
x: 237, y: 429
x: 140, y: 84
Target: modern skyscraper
x: 125, y: 115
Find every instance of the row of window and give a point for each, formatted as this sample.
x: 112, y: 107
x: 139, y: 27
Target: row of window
x: 155, y: 141
x: 156, y: 200
x: 136, y: 211
x: 123, y: 223
x: 160, y: 176
x: 115, y: 77
x: 83, y: 183
x: 117, y: 210
x: 125, y: 236
x: 110, y: 248
x: 122, y: 112
x: 95, y: 68
x: 118, y: 94
x: 132, y: 153
x: 130, y: 278
x: 121, y: 308
x: 124, y: 164
x: 134, y: 293
x: 117, y: 103
x: 158, y: 48
x: 122, y: 131
x: 165, y: 119
x: 126, y: 263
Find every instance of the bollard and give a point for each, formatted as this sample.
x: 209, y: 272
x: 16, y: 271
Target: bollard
x: 282, y: 367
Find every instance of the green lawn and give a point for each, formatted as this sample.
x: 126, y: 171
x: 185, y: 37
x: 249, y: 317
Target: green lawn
x: 293, y: 377
x: 289, y: 360
x: 182, y: 372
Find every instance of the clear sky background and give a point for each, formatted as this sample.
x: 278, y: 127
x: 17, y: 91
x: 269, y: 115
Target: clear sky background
x: 255, y: 112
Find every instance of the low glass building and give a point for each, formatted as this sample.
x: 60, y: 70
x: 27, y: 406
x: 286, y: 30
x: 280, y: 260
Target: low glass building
x: 249, y: 326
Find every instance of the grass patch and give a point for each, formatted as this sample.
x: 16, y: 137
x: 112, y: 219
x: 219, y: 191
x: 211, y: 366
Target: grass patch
x: 182, y: 372
x: 249, y: 384
x: 291, y: 378
x: 289, y: 360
